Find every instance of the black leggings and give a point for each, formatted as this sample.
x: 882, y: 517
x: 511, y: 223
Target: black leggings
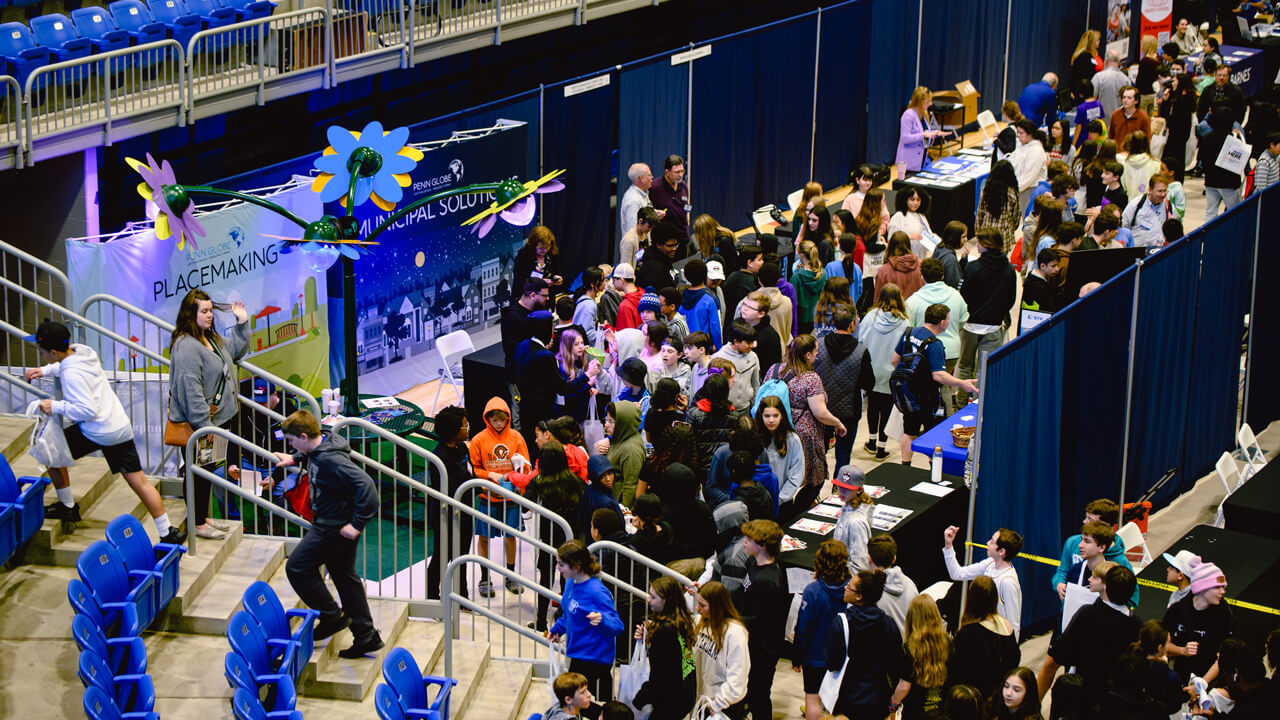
x: 879, y: 406
x: 553, y: 536
x: 599, y: 677
x: 204, y: 488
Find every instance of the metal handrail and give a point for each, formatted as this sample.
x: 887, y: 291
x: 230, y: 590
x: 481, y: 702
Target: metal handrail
x: 191, y: 44
x: 638, y: 559
x: 452, y: 598
x: 223, y: 35
x: 495, y: 489
x: 39, y: 264
x: 15, y: 108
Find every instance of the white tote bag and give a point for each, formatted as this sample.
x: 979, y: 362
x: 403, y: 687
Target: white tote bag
x: 829, y: 691
x: 592, y: 428
x: 48, y: 444
x: 1234, y: 155
x: 633, y: 676
x: 704, y: 710
x: 559, y: 664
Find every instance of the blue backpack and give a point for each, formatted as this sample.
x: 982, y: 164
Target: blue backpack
x: 778, y: 388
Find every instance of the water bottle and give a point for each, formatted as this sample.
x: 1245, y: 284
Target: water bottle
x: 968, y: 465
x: 1202, y: 693
x: 935, y: 471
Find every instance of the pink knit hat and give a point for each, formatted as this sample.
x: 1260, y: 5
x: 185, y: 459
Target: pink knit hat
x: 1205, y: 576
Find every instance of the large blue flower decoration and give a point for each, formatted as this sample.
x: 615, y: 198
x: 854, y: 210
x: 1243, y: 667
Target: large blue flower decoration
x: 380, y: 179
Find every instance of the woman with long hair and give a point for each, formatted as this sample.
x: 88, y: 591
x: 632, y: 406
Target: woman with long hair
x: 711, y: 237
x: 985, y: 645
x: 871, y: 230
x: 998, y: 204
x: 912, y: 204
x: 834, y: 294
x: 1060, y: 145
x: 668, y: 634
x: 720, y: 650
x: 808, y: 278
x: 558, y: 489
x: 1091, y: 175
x: 863, y: 182
x: 1139, y: 166
x: 588, y: 621
x: 1084, y: 59
x: 1017, y: 698
x: 712, y: 417
x: 817, y: 229
x: 964, y: 702
x: 847, y: 268
x: 926, y: 654
x: 539, y: 257
x: 901, y: 267
x: 811, y: 191
x: 1162, y: 683
x: 782, y: 448
x: 672, y: 444
x: 841, y: 222
x: 880, y: 331
x: 204, y: 389
x: 914, y: 134
x: 1148, y: 68
x: 1048, y: 214
x: 1176, y: 106
x: 822, y: 600
x: 951, y: 252
x: 571, y: 361
x: 808, y: 410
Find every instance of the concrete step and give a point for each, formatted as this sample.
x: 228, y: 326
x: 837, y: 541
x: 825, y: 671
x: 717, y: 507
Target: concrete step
x: 249, y: 561
x: 59, y: 543
x: 423, y: 638
x: 15, y: 435
x: 471, y: 661
x: 200, y: 569
x: 90, y: 478
x: 188, y: 666
x: 331, y: 676
x: 500, y: 690
x: 537, y: 698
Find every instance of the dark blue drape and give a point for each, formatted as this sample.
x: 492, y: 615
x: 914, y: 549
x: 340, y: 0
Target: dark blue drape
x: 1264, y: 327
x: 752, y: 119
x: 653, y: 118
x: 1058, y: 27
x: 578, y: 137
x: 524, y: 108
x: 891, y: 72
x: 840, y: 142
x: 963, y: 40
x: 1017, y: 464
x: 1219, y: 326
x: 1162, y: 370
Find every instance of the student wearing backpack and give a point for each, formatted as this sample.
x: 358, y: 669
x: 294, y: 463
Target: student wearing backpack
x: 920, y: 368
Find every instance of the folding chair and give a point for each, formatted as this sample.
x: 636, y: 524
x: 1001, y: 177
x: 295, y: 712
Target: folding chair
x: 1131, y: 534
x: 1229, y: 474
x: 1251, y: 450
x: 987, y: 124
x: 112, y: 619
x: 123, y: 655
x: 104, y: 572
x: 457, y: 342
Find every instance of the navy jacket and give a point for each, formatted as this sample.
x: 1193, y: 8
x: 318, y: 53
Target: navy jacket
x: 819, y: 605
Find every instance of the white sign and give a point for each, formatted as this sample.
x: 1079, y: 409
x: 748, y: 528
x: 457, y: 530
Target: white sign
x: 687, y: 55
x: 578, y: 88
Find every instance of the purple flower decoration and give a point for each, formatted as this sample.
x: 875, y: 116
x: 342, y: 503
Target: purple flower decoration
x: 513, y: 202
x: 177, y: 213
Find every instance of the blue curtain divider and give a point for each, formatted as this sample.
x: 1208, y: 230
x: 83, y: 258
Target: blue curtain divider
x: 1059, y: 27
x: 963, y: 40
x: 840, y: 141
x: 1264, y: 326
x: 653, y: 110
x: 891, y: 72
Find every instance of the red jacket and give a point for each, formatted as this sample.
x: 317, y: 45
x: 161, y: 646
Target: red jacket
x: 629, y: 310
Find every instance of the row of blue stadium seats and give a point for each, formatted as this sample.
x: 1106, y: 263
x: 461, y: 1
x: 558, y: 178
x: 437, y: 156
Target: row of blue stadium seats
x: 55, y: 38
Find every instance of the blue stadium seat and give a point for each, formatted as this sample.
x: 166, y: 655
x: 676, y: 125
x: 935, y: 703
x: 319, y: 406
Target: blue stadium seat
x: 261, y: 602
x: 103, y: 571
x: 24, y: 3
x: 21, y: 498
x: 134, y: 18
x: 127, y: 535
x: 387, y: 704
x: 247, y: 707
x: 266, y: 658
x: 95, y: 24
x: 98, y: 705
x: 401, y: 672
x: 132, y: 693
x: 213, y: 14
x: 57, y: 33
x: 124, y: 655
x: 249, y: 9
x: 181, y: 24
x: 280, y: 694
x: 113, y: 619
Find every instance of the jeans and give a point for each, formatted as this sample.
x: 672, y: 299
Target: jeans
x: 324, y: 545
x: 1230, y: 198
x: 971, y: 348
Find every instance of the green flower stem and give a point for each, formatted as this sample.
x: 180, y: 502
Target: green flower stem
x: 469, y: 189
x: 251, y: 199
x: 351, y: 194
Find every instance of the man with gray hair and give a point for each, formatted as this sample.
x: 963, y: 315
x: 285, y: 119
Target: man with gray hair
x: 636, y: 197
x: 1039, y: 100
x: 1108, y: 82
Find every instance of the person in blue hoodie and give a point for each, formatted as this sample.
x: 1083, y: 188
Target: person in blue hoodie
x: 1103, y: 510
x: 588, y: 620
x: 822, y: 600
x: 699, y: 307
x: 599, y: 492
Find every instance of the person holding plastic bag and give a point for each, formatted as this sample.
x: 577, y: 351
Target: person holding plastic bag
x: 668, y: 637
x: 720, y: 653
x: 98, y: 422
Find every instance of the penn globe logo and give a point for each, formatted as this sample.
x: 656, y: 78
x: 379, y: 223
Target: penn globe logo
x: 455, y: 167
x: 236, y: 233
x: 442, y: 181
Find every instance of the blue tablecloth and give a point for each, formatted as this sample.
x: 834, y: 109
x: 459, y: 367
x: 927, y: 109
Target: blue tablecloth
x: 1248, y: 67
x: 952, y: 456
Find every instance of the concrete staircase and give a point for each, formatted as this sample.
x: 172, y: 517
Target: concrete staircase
x: 186, y: 643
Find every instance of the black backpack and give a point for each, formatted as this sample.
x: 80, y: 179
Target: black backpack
x: 911, y: 382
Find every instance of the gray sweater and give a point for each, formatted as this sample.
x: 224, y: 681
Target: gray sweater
x: 193, y: 378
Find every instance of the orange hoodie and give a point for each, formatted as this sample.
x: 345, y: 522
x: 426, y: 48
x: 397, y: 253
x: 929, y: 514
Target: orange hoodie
x: 491, y: 451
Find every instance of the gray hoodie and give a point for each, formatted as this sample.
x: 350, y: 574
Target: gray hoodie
x: 87, y: 398
x: 193, y: 377
x: 747, y: 381
x: 880, y: 332
x: 899, y: 591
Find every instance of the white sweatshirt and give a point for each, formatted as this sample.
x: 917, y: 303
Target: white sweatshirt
x: 722, y: 674
x: 87, y: 397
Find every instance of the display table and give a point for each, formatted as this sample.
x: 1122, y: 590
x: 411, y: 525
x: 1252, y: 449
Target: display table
x: 1248, y: 67
x: 954, y: 184
x: 1255, y: 507
x: 952, y: 457
x: 919, y: 534
x: 484, y: 374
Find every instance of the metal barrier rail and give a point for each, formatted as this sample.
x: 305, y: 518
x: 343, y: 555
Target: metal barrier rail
x: 453, y: 601
x: 33, y: 291
x: 103, y: 88
x: 631, y: 574
x: 11, y: 116
x: 235, y: 57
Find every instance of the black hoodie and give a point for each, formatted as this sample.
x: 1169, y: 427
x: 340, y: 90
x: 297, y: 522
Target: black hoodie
x: 989, y: 288
x: 341, y: 492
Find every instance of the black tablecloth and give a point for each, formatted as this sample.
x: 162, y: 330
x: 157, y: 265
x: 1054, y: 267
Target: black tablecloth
x: 919, y: 535
x: 1270, y: 47
x: 947, y: 204
x: 484, y: 375
x: 1255, y: 507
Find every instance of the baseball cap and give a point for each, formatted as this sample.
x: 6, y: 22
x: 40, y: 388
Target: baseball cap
x: 1182, y: 561
x: 51, y: 336
x: 262, y: 390
x: 849, y: 477
x: 715, y: 270
x: 624, y: 270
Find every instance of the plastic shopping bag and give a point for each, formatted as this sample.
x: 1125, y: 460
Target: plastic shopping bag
x: 558, y: 664
x: 48, y: 443
x: 704, y: 710
x: 592, y: 428
x: 633, y: 676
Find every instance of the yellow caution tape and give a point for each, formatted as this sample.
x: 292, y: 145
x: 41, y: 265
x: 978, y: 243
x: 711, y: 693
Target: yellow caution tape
x: 1143, y: 582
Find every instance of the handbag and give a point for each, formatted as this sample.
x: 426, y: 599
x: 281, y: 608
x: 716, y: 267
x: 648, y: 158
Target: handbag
x: 1234, y: 155
x: 633, y: 676
x: 829, y: 691
x: 48, y: 445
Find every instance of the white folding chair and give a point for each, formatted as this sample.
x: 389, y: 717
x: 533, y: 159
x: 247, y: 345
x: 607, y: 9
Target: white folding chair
x: 938, y: 590
x: 986, y: 119
x: 1251, y: 451
x: 1229, y: 474
x: 455, y: 343
x: 1131, y: 534
x: 793, y: 200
